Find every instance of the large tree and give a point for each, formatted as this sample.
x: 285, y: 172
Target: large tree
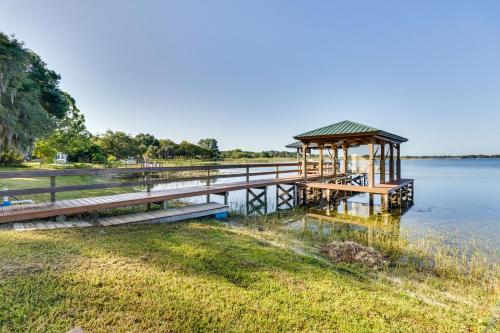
x: 71, y: 135
x: 210, y: 144
x: 31, y: 101
x: 118, y: 144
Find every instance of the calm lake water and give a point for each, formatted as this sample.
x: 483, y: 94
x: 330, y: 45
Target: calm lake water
x: 455, y: 197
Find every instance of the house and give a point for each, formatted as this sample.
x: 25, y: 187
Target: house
x: 61, y: 158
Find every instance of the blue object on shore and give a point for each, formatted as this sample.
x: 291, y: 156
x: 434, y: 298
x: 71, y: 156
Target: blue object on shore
x: 221, y: 216
x: 6, y: 203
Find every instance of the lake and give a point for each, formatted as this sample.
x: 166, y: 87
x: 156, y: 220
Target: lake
x: 456, y: 197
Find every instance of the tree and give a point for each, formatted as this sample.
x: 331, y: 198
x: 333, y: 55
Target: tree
x: 71, y: 135
x: 30, y: 98
x: 210, y: 144
x: 119, y: 144
x: 144, y: 141
x: 167, y: 148
x: 45, y: 151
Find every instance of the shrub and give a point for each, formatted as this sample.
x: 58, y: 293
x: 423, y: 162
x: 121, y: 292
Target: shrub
x: 11, y: 158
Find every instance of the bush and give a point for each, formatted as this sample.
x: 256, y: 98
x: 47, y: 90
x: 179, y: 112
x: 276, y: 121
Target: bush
x: 11, y: 158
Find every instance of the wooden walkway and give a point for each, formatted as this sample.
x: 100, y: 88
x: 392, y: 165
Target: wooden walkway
x: 77, y: 206
x: 158, y: 216
x: 167, y: 215
x: 44, y: 225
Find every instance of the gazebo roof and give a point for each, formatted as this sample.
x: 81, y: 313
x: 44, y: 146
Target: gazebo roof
x: 298, y: 144
x: 348, y: 130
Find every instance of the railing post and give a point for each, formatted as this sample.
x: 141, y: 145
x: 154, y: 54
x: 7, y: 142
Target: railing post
x: 52, y: 187
x: 248, y: 174
x: 277, y: 170
x: 148, y: 186
x: 148, y: 179
x: 208, y: 184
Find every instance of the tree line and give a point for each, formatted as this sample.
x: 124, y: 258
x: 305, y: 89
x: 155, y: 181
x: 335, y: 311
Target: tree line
x: 39, y: 119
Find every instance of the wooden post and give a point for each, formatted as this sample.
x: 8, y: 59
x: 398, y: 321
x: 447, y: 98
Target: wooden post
x: 52, y: 187
x: 304, y: 162
x: 382, y: 163
x: 277, y: 171
x: 398, y: 162
x: 320, y: 169
x: 248, y: 174
x: 335, y: 161
x: 371, y: 165
x: 148, y: 187
x: 208, y: 184
x: 345, y: 161
x: 298, y: 155
x: 370, y: 203
x: 384, y: 200
x: 391, y: 162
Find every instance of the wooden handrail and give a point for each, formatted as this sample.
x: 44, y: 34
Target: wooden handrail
x: 147, y: 181
x: 41, y: 190
x: 121, y: 171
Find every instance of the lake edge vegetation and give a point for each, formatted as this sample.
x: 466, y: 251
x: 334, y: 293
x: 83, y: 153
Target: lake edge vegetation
x: 239, y: 276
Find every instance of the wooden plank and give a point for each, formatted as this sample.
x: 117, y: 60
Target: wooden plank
x: 28, y: 226
x: 39, y: 226
x: 379, y: 189
x: 19, y: 227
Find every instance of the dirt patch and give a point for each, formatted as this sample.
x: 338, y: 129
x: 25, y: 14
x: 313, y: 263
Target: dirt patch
x: 353, y: 252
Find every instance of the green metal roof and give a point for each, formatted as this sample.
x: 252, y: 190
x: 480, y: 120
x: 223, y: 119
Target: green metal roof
x: 347, y: 127
x: 297, y: 144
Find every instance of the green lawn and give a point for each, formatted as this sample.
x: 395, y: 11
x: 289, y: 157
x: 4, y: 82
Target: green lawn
x: 206, y: 276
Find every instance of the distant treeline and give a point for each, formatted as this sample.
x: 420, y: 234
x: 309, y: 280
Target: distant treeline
x: 238, y: 153
x: 444, y: 157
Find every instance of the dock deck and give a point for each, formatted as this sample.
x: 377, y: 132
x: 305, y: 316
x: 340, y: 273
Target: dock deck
x: 383, y: 189
x: 23, y: 212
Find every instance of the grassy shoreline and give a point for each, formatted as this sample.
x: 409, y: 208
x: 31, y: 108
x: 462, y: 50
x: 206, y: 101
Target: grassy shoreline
x: 212, y: 276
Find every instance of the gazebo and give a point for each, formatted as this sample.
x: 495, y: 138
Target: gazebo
x: 346, y: 135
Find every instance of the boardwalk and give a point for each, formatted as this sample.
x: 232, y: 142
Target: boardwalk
x: 77, y: 206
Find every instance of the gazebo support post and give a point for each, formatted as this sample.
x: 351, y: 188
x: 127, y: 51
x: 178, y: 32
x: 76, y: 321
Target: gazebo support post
x: 304, y: 162
x: 391, y: 162
x: 398, y: 162
x: 382, y: 163
x: 371, y: 165
x: 335, y: 161
x: 345, y: 160
x: 320, y: 166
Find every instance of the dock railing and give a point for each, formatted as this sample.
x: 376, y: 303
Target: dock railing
x: 147, y: 176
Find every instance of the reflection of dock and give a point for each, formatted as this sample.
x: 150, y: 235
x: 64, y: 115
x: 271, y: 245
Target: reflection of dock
x: 381, y: 228
x: 383, y: 233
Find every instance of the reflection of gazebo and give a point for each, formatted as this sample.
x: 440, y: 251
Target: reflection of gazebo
x: 348, y: 134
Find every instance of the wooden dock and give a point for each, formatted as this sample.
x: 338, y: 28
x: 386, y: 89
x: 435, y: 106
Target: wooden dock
x: 24, y: 212
x: 307, y: 177
x: 384, y: 189
x: 157, y: 216
x: 398, y: 193
x: 46, y: 225
x: 167, y: 215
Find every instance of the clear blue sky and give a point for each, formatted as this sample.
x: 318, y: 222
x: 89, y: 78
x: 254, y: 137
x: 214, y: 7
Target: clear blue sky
x: 254, y: 73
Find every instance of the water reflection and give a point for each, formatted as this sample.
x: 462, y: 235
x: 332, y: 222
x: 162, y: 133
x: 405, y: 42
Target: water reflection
x: 349, y: 221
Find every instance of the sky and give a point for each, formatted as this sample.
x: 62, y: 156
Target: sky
x: 253, y: 74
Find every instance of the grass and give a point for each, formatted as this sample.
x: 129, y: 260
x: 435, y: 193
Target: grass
x: 210, y: 276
